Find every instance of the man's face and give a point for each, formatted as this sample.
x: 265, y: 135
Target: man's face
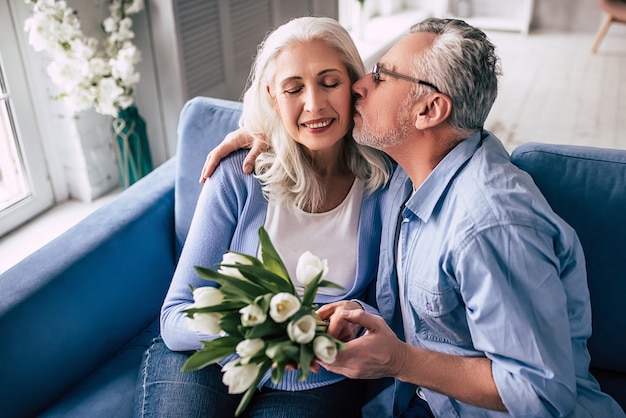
x: 384, y: 116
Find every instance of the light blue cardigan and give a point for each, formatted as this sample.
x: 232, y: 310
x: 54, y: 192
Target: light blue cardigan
x: 230, y: 210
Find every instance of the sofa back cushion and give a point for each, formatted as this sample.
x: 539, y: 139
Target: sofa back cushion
x: 586, y: 186
x: 203, y: 123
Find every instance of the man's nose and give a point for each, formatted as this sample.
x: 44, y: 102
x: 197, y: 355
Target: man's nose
x: 359, y: 90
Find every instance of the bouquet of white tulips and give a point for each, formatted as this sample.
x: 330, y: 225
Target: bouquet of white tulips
x: 260, y: 317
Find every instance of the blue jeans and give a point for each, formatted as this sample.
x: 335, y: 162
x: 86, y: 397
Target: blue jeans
x: 164, y: 391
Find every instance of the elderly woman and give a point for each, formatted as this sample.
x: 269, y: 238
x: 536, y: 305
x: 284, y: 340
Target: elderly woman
x: 313, y: 189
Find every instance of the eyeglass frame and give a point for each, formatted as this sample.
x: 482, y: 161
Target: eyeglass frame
x: 377, y: 69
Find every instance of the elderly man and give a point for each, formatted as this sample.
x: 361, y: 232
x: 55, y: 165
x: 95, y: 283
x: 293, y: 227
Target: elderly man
x: 486, y: 284
x: 481, y: 286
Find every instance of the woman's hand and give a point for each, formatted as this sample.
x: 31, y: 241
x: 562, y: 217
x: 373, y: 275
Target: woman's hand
x: 339, y: 328
x: 234, y: 141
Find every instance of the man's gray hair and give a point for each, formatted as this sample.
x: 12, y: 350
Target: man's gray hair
x: 463, y: 64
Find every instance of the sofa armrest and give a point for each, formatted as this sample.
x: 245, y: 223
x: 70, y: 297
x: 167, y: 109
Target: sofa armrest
x: 71, y: 305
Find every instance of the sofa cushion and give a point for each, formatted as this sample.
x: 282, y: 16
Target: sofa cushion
x: 69, y: 307
x: 110, y: 390
x: 586, y: 186
x: 203, y: 123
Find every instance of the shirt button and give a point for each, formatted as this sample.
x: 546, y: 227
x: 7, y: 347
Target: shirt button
x: 420, y: 394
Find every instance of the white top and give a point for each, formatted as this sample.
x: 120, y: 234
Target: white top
x: 331, y: 235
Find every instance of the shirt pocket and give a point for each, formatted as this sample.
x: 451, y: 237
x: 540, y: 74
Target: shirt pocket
x: 440, y: 316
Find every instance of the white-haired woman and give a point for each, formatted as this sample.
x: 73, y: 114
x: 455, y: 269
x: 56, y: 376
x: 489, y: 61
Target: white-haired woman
x: 314, y: 189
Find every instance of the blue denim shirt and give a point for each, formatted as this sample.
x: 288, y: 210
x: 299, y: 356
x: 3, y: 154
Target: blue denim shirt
x: 489, y: 270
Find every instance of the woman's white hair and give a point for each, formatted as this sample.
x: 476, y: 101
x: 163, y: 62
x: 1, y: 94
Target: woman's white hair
x: 285, y: 170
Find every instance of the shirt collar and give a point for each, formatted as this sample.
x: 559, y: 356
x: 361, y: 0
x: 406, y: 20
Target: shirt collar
x: 423, y: 201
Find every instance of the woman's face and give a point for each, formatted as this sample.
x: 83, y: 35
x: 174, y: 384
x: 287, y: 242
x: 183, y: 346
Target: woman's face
x: 311, y: 93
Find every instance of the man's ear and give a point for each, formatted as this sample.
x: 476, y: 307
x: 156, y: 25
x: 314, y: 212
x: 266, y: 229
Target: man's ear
x: 432, y: 111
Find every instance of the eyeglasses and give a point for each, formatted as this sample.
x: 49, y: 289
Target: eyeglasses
x: 378, y: 69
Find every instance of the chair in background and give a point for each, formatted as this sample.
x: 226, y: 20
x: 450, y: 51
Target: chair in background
x: 616, y: 10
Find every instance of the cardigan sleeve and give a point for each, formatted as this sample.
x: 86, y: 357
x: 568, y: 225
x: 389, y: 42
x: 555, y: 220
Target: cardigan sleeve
x: 215, y: 219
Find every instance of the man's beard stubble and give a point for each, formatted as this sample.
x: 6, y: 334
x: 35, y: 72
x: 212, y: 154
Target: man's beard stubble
x: 367, y: 134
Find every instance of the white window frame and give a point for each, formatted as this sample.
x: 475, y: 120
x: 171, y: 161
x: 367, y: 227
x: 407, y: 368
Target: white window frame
x: 40, y: 196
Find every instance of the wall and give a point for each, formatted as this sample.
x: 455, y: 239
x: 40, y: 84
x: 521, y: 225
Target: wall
x: 558, y: 15
x: 203, y: 48
x: 567, y: 15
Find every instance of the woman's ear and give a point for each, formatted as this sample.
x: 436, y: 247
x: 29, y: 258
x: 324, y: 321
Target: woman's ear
x: 272, y: 98
x: 432, y: 111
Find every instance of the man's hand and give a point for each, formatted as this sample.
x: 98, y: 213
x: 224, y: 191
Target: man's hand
x: 337, y: 326
x: 378, y: 353
x: 234, y: 141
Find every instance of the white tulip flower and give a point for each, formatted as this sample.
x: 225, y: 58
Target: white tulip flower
x: 206, y: 296
x: 252, y: 315
x: 239, y: 377
x: 207, y: 323
x: 325, y: 349
x: 283, y: 305
x: 232, y: 258
x: 310, y: 266
x: 302, y: 330
x: 248, y: 348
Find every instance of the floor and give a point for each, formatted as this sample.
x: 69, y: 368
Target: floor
x: 553, y: 90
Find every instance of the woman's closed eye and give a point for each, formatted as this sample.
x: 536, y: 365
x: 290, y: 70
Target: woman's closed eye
x: 331, y: 85
x: 293, y: 90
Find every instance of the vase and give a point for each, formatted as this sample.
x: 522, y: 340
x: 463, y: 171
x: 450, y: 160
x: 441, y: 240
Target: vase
x: 130, y: 142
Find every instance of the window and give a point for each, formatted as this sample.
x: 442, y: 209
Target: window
x: 25, y: 190
x: 12, y: 180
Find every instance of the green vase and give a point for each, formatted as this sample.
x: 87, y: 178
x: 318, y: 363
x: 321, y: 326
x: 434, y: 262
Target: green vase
x: 132, y: 149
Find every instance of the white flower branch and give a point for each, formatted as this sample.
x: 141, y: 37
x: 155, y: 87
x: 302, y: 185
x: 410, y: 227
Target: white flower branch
x: 86, y: 75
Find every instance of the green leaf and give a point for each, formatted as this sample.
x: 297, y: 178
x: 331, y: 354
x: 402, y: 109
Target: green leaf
x: 211, y: 352
x: 223, y: 279
x: 278, y: 371
x: 285, y: 350
x: 267, y: 329
x: 306, y: 357
x: 266, y: 278
x: 263, y: 302
x: 326, y: 283
x: 271, y: 259
x: 310, y: 290
x: 231, y: 322
x: 225, y: 306
x: 264, y: 367
x: 209, y: 274
x: 233, y: 288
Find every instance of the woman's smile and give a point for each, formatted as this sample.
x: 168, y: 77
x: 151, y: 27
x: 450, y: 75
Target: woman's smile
x: 318, y: 125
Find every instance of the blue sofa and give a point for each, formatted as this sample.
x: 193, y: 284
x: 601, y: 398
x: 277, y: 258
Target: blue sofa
x: 76, y: 316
